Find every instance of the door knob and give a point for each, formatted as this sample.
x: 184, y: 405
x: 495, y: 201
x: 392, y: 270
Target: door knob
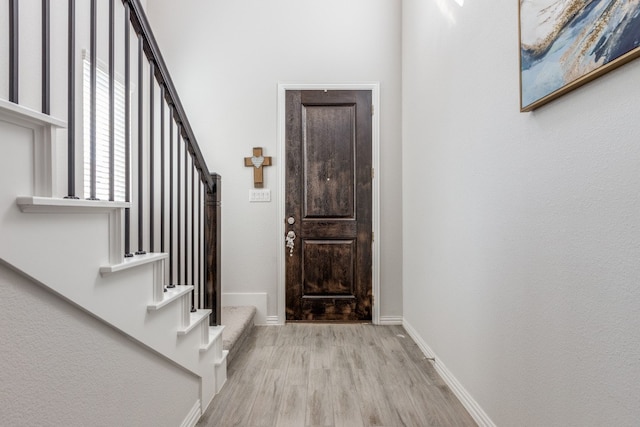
x: 291, y: 236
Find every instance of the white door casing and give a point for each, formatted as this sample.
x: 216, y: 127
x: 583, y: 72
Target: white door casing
x: 280, y: 170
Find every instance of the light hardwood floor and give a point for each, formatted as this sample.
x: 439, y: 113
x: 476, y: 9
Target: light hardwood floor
x: 351, y: 375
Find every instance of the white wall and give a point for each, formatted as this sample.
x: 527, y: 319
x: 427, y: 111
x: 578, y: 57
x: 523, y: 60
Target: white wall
x: 226, y: 59
x: 521, y: 259
x: 76, y: 371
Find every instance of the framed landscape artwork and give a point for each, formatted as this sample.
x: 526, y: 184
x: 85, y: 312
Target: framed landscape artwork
x: 567, y: 43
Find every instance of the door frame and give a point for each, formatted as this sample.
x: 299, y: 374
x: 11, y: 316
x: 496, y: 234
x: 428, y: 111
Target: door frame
x: 374, y: 87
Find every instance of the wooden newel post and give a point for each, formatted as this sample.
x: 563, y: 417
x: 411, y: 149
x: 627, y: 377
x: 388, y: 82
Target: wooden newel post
x: 213, y: 288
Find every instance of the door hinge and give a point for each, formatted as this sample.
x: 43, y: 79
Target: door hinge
x: 372, y: 109
x: 373, y: 173
x: 373, y: 237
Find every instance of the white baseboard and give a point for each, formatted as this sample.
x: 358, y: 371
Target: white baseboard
x: 390, y: 320
x: 258, y: 300
x: 474, y: 409
x: 193, y: 416
x: 273, y: 320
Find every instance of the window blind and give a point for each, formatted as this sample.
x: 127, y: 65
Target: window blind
x: 102, y: 134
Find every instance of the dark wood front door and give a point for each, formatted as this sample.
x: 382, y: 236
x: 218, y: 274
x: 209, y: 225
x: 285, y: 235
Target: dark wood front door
x: 328, y: 205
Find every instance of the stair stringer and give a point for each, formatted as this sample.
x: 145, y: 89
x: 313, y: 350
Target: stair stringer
x: 65, y: 250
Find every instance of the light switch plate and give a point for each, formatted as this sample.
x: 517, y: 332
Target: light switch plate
x: 259, y: 195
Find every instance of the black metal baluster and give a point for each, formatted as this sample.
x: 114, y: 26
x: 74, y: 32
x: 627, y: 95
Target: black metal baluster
x: 178, y: 186
x: 46, y: 57
x: 152, y: 161
x: 140, y: 250
x: 193, y: 235
x: 112, y: 104
x: 92, y: 115
x: 162, y: 176
x: 171, y: 256
x: 186, y: 223
x: 14, y: 48
x: 186, y: 209
x: 162, y: 169
x: 200, y: 287
x: 71, y: 103
x: 127, y: 131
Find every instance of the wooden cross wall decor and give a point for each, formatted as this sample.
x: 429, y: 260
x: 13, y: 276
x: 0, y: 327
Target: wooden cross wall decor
x: 257, y: 162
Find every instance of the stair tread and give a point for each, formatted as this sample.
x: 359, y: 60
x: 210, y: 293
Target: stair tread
x: 225, y: 355
x: 60, y: 205
x: 172, y: 294
x: 215, y: 333
x: 195, y: 319
x: 31, y: 115
x: 236, y: 319
x: 133, y: 261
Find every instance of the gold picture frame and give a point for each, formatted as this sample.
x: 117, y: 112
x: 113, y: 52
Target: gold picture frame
x: 567, y: 43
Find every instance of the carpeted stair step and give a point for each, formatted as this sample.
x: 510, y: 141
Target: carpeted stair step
x: 238, y: 323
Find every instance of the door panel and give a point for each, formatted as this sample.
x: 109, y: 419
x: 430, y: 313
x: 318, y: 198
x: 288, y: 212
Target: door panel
x: 329, y: 147
x: 328, y: 268
x: 328, y: 195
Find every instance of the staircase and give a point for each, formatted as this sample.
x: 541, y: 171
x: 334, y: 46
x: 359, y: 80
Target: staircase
x: 166, y: 297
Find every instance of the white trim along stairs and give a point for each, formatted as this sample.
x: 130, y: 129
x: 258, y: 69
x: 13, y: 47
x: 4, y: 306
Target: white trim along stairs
x: 75, y: 249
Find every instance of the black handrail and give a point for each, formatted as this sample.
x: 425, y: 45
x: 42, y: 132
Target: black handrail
x: 141, y: 25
